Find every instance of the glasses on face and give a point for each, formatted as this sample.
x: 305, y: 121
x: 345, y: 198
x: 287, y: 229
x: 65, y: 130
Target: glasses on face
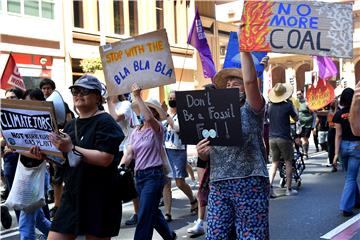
x: 81, y: 91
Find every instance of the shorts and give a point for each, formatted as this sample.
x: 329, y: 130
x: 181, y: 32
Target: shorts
x: 306, y: 132
x: 178, y: 161
x: 201, y: 163
x: 322, y: 136
x: 281, y: 148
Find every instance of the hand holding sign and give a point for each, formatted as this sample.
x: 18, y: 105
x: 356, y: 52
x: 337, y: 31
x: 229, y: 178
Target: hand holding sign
x: 63, y: 143
x: 203, y: 149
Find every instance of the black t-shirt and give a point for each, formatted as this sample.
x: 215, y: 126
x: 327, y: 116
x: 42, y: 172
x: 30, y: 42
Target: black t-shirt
x: 323, y: 123
x: 99, y: 132
x: 342, y: 117
x: 30, y: 162
x: 279, y: 114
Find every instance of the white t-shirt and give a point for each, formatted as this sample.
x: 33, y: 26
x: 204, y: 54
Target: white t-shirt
x: 172, y: 138
x: 128, y: 124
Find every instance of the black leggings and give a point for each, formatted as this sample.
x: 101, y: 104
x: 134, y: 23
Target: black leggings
x: 331, y: 144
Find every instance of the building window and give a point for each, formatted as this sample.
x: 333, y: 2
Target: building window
x: 159, y: 14
x: 78, y: 14
x: 133, y: 14
x: 31, y: 8
x: 36, y: 8
x: 47, y: 9
x: 14, y: 6
x: 118, y: 17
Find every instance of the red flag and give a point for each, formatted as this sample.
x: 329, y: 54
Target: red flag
x: 11, y: 77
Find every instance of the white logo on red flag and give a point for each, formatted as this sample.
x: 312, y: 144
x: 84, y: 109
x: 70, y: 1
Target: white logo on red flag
x: 11, y: 76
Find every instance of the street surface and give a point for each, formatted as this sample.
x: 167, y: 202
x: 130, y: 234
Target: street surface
x: 312, y: 214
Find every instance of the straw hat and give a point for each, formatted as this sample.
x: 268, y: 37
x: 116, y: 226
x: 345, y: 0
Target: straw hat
x: 151, y: 103
x: 220, y: 78
x: 280, y: 92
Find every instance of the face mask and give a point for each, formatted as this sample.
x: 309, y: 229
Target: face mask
x: 172, y: 103
x: 242, y: 96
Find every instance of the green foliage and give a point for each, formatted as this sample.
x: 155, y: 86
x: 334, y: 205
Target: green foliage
x: 90, y: 65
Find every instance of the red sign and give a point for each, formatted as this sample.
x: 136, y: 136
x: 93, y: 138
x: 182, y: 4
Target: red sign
x: 11, y: 77
x: 320, y: 96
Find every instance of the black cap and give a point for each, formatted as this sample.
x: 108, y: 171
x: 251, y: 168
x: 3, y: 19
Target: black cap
x: 88, y: 82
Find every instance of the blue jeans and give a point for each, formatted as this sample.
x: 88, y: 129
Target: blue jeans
x: 150, y: 184
x: 350, y: 155
x: 28, y: 222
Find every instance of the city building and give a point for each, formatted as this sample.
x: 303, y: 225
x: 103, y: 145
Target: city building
x: 50, y: 38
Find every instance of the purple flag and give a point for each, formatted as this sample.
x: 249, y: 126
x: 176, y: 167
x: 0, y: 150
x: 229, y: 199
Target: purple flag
x: 327, y: 67
x: 197, y: 39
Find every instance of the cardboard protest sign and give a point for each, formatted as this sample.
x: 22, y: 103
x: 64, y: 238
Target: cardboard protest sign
x: 319, y: 96
x: 232, y: 57
x: 144, y: 59
x: 213, y: 114
x: 301, y: 27
x: 28, y: 123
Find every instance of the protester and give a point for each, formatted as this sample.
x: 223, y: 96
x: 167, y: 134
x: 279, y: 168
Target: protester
x: 90, y: 203
x: 331, y: 135
x: 10, y: 157
x: 281, y: 144
x: 30, y: 159
x: 306, y: 121
x: 48, y: 86
x: 355, y: 111
x: 346, y: 146
x: 203, y: 192
x: 238, y: 174
x: 177, y: 155
x: 145, y: 147
x: 10, y: 161
x: 120, y: 109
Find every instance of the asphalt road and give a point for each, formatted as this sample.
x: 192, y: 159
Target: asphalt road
x: 309, y: 215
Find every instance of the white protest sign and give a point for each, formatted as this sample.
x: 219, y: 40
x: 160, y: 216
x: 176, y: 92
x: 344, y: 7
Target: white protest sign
x: 144, y: 59
x: 28, y: 123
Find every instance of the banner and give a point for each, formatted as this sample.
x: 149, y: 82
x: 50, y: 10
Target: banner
x: 326, y: 67
x: 197, y: 39
x: 212, y: 114
x: 11, y: 77
x: 28, y: 123
x: 144, y: 59
x: 232, y: 57
x: 300, y: 27
x: 319, y: 96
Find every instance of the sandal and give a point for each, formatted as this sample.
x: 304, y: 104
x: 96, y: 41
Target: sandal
x: 194, y: 206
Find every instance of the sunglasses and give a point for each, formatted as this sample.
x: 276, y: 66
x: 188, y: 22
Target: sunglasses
x: 82, y: 91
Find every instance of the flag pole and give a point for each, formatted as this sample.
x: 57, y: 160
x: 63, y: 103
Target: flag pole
x: 182, y: 69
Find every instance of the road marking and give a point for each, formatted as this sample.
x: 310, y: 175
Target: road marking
x: 9, y: 232
x: 344, y: 231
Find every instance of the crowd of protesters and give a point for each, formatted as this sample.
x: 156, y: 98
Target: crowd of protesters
x: 235, y: 185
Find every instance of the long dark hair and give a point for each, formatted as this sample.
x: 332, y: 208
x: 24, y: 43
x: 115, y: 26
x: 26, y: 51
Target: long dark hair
x: 346, y: 97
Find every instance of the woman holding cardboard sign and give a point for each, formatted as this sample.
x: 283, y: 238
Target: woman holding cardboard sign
x: 146, y: 148
x: 90, y: 203
x: 239, y: 181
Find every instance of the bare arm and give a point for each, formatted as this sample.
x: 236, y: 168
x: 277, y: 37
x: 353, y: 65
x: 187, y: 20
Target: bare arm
x: 355, y: 112
x: 337, y: 141
x: 148, y: 116
x: 91, y: 156
x: 128, y: 156
x: 252, y: 91
x: 111, y: 105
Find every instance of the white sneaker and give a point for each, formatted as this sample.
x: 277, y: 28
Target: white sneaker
x: 291, y: 192
x: 198, y: 228
x: 272, y: 193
